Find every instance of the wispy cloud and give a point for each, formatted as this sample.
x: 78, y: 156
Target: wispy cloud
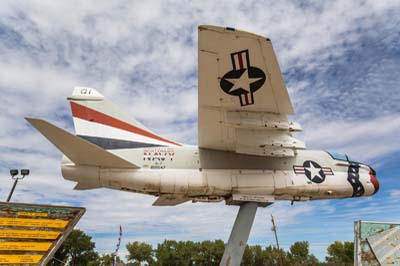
x: 395, y: 194
x: 364, y: 139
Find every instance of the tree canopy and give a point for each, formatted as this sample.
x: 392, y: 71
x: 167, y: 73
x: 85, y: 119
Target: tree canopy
x: 140, y: 253
x: 340, y: 253
x: 79, y: 250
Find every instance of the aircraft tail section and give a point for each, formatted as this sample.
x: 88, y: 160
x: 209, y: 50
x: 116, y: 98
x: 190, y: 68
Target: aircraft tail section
x: 99, y: 121
x: 77, y: 149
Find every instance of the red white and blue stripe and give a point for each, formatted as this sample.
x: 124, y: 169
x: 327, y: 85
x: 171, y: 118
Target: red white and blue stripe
x: 109, y: 132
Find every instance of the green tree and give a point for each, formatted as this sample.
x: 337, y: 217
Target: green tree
x: 272, y: 255
x: 340, y: 253
x: 108, y: 259
x: 77, y: 250
x: 173, y: 253
x: 208, y: 253
x: 166, y: 253
x: 253, y: 255
x: 140, y: 253
x: 299, y: 255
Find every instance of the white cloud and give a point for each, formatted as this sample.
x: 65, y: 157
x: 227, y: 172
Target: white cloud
x: 366, y: 140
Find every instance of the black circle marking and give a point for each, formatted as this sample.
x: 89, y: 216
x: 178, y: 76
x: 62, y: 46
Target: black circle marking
x: 253, y: 72
x: 315, y: 178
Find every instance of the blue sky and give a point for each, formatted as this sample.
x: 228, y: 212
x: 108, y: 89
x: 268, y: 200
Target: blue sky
x: 340, y: 60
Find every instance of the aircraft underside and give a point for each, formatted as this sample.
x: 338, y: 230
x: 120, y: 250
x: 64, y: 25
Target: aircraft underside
x: 175, y: 186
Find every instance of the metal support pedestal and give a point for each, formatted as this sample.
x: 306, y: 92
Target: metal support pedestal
x: 240, y: 234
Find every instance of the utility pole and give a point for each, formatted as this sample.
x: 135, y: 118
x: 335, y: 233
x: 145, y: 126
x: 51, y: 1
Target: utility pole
x: 276, y: 239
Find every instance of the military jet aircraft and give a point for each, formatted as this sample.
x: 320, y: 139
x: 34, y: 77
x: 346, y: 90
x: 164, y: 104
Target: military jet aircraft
x: 246, y: 152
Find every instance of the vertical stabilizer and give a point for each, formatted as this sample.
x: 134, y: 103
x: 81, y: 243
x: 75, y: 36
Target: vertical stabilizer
x: 99, y: 121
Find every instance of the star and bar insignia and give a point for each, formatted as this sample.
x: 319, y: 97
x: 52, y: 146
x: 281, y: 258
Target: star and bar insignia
x: 313, y: 171
x: 243, y: 80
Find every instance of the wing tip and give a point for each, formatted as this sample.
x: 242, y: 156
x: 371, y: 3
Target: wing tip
x: 232, y: 30
x: 33, y: 121
x: 30, y: 119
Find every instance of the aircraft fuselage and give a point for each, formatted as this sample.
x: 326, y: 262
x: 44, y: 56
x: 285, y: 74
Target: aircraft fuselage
x: 208, y: 175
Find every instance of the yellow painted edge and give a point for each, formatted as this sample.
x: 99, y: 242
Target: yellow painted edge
x: 19, y: 259
x: 25, y: 246
x: 29, y: 234
x: 33, y: 222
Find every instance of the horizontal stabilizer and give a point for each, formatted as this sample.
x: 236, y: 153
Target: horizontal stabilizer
x: 77, y: 149
x: 169, y: 200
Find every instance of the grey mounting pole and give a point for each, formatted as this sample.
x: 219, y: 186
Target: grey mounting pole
x: 12, y: 190
x: 240, y: 234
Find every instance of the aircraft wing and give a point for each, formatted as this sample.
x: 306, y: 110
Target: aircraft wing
x: 243, y: 100
x: 169, y: 200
